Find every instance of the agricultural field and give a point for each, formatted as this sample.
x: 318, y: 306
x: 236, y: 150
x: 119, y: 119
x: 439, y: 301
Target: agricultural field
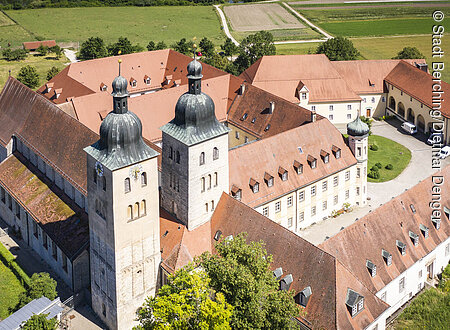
x: 246, y: 19
x: 139, y: 24
x: 10, y: 289
x: 374, y: 20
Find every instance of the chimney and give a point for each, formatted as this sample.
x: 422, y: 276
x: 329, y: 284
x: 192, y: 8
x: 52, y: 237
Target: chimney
x: 313, y: 116
x: 272, y: 107
x: 422, y: 66
x: 241, y: 89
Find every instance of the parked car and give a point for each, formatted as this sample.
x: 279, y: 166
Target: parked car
x: 435, y: 138
x: 445, y: 152
x: 409, y: 128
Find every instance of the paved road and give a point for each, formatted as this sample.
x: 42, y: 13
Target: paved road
x: 71, y: 55
x: 379, y: 193
x: 225, y: 25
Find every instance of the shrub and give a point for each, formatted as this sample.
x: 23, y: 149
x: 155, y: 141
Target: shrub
x: 373, y: 147
x: 374, y: 168
x: 389, y: 167
x: 378, y: 165
x: 9, y: 260
x: 28, y: 76
x: 52, y: 72
x: 374, y: 174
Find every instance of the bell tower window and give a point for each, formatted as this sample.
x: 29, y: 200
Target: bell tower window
x: 127, y: 185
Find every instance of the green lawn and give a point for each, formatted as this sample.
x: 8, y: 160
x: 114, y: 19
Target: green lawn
x: 389, y: 152
x: 10, y: 288
x: 139, y: 24
x: 42, y: 64
x: 293, y: 49
x: 283, y: 34
x: 14, y: 35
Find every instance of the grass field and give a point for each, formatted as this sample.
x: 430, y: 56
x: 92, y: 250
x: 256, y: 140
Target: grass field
x: 389, y: 152
x: 10, y: 288
x: 139, y: 24
x: 42, y: 64
x: 292, y: 49
x: 281, y: 35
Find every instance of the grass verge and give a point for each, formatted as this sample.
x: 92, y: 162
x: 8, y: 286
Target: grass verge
x: 389, y: 152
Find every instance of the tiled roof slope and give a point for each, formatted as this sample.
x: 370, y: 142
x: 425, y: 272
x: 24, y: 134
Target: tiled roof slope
x: 365, y: 239
x: 255, y: 104
x: 309, y: 266
x: 367, y: 76
x: 36, y: 44
x: 418, y: 84
x: 64, y: 222
x: 254, y: 159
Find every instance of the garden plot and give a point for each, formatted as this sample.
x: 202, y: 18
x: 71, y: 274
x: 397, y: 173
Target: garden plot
x: 257, y: 17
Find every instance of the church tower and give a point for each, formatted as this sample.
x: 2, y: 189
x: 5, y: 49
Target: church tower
x: 358, y: 137
x: 122, y: 187
x: 194, y: 156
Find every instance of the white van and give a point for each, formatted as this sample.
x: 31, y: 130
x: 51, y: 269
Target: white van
x: 409, y: 128
x: 445, y: 152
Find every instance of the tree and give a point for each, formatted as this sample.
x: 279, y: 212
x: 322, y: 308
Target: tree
x: 52, y: 72
x: 186, y: 302
x: 161, y: 45
x: 14, y: 55
x: 229, y: 48
x: 56, y: 50
x: 338, y: 49
x: 41, y: 285
x: 123, y: 46
x: 220, y: 62
x: 241, y: 271
x: 254, y: 47
x: 39, y: 322
x: 183, y: 46
x: 28, y: 76
x: 42, y: 50
x: 206, y: 47
x: 409, y: 53
x: 92, y: 48
x: 151, y: 46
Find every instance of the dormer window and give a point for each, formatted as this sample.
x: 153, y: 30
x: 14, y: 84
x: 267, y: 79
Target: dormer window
x: 336, y: 151
x: 147, y: 80
x: 217, y: 235
x: 298, y: 167
x: 414, y: 238
x: 277, y: 273
x: 57, y: 92
x: 436, y: 223
x: 269, y: 179
x: 447, y: 212
x: 282, y: 173
x: 244, y: 116
x: 236, y: 192
x: 325, y: 156
x: 387, y: 257
x: 133, y: 82
x: 103, y: 87
x: 286, y: 282
x: 167, y: 80
x: 303, y: 296
x: 177, y: 83
x: 48, y: 87
x: 371, y: 267
x: 267, y: 128
x: 253, y: 120
x: 354, y: 302
x: 312, y: 161
x: 401, y: 247
x: 303, y: 96
x: 413, y: 209
x: 254, y: 185
x: 424, y: 230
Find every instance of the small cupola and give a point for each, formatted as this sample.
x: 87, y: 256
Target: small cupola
x: 357, y: 128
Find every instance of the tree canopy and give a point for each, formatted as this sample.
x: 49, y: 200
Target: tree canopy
x: 92, y: 48
x: 183, y: 46
x: 338, y: 49
x: 254, y: 47
x: 152, y: 46
x: 207, y: 47
x: 28, y: 76
x: 186, y: 302
x: 53, y: 71
x: 241, y: 272
x: 41, y: 285
x: 229, y: 48
x: 123, y: 46
x: 409, y: 53
x: 39, y: 322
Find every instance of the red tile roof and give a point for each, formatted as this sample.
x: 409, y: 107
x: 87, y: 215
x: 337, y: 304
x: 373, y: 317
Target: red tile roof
x: 380, y: 229
x: 33, y: 45
x: 254, y: 159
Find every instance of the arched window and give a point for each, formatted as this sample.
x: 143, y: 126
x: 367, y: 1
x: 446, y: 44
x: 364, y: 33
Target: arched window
x: 127, y: 185
x: 104, y: 183
x: 144, y: 179
x: 170, y: 153
x: 130, y: 212
x: 216, y: 179
x: 209, y: 181
x: 202, y: 158
x: 203, y: 183
x: 136, y: 210
x: 143, y: 208
x: 212, y: 205
x: 95, y: 175
x: 206, y: 207
x: 178, y: 157
x: 215, y: 153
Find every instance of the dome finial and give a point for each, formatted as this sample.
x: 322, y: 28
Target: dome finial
x: 120, y: 62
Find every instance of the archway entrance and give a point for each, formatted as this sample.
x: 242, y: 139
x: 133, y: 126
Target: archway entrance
x: 368, y: 112
x: 401, y: 109
x: 392, y: 103
x: 411, y: 116
x: 421, y: 123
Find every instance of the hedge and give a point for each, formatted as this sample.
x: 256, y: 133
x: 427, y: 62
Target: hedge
x: 9, y: 260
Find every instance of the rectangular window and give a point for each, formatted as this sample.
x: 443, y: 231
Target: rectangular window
x: 303, y: 96
x: 18, y: 210
x: 313, y: 191
x: 349, y: 116
x: 278, y: 206
x: 401, y: 284
x: 358, y: 172
x: 266, y: 211
x: 324, y: 205
x: 301, y: 196
x: 324, y: 186
x: 313, y: 211
x: 35, y: 229
x: 64, y: 262
x: 335, y: 181
x: 336, y: 199
x: 237, y: 135
x: 54, y: 251
x: 347, y: 175
x: 349, y: 107
x: 447, y: 249
x: 289, y: 201
x: 290, y: 222
x: 420, y: 274
x: 44, y: 240
x: 313, y: 108
x: 347, y: 194
x: 331, y: 108
x: 383, y: 296
x: 2, y: 194
x: 302, y: 216
x: 330, y: 117
x: 357, y: 191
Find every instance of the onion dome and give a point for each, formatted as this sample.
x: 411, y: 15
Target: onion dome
x: 357, y: 128
x: 121, y: 143
x: 195, y: 118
